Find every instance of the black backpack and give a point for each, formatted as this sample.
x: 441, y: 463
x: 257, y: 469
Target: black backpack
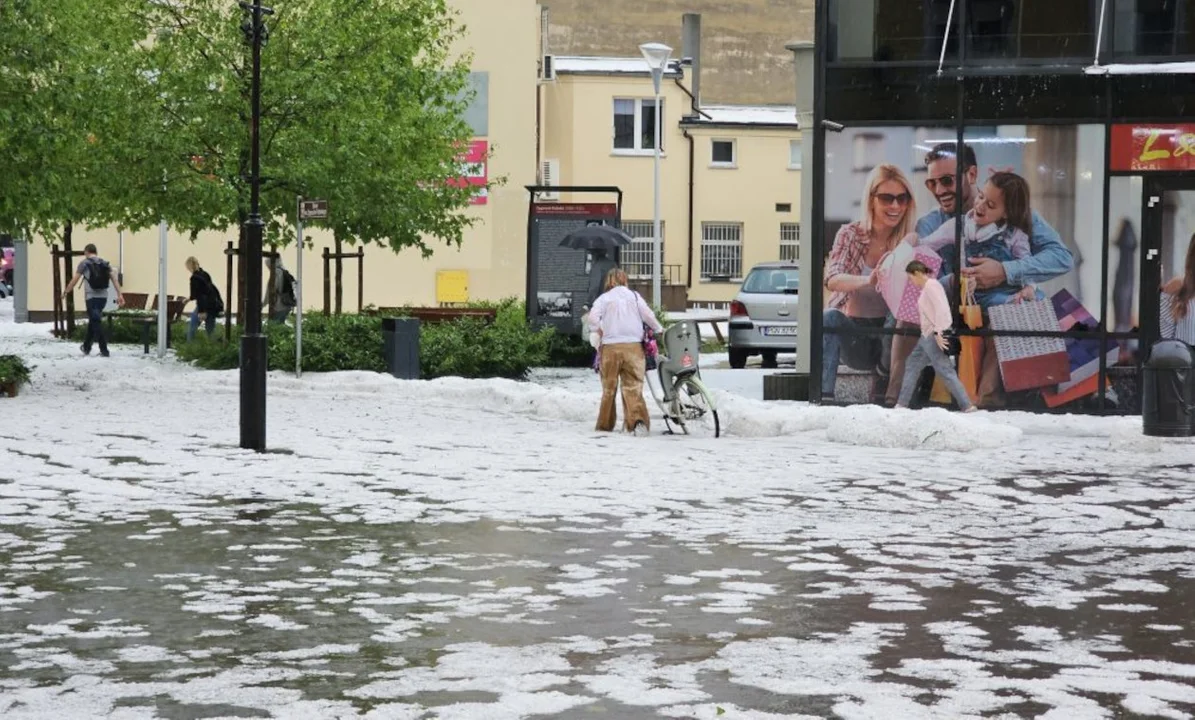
x: 99, y: 274
x: 215, y: 303
x: 288, y: 289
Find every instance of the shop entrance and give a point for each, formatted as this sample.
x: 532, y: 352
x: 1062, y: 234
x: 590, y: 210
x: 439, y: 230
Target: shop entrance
x: 1168, y: 231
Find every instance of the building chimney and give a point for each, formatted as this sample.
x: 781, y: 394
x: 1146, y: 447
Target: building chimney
x: 691, y: 52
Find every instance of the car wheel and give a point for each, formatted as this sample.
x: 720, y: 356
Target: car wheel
x: 738, y: 359
x: 769, y: 358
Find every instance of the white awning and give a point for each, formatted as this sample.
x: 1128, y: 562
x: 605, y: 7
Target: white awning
x: 1171, y: 68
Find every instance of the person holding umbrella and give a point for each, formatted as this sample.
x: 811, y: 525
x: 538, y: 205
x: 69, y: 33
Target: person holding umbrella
x: 600, y: 241
x: 617, y: 319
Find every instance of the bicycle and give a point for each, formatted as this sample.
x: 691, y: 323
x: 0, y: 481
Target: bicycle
x: 691, y: 407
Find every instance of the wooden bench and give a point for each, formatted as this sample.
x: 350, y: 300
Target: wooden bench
x: 174, y: 312
x: 434, y: 315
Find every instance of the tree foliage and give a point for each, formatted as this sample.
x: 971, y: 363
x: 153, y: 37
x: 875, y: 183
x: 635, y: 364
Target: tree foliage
x: 142, y: 113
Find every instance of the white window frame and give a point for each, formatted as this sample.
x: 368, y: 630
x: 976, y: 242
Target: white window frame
x: 797, y: 145
x: 637, y: 257
x: 790, y: 242
x: 723, y: 240
x: 734, y: 153
x: 638, y: 148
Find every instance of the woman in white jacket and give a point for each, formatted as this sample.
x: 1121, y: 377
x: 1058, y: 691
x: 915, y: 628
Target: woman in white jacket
x: 616, y: 323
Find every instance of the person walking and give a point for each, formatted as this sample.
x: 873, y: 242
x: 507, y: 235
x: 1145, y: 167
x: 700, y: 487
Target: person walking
x: 280, y: 291
x: 931, y: 348
x: 98, y: 276
x: 208, y: 303
x: 616, y: 321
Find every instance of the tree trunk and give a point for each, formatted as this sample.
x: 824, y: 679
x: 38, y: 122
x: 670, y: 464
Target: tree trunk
x: 67, y: 274
x: 339, y: 275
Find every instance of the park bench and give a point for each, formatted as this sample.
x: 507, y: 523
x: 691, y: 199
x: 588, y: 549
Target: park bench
x: 147, y: 320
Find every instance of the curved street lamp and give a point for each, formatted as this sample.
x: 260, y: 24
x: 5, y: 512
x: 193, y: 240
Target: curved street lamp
x: 656, y: 55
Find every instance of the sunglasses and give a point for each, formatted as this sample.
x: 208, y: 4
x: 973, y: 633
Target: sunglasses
x: 889, y: 198
x: 946, y: 181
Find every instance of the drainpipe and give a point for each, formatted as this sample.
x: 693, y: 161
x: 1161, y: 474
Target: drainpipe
x: 692, y: 154
x: 689, y: 280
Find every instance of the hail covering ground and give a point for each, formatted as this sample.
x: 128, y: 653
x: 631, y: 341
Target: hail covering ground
x: 472, y: 549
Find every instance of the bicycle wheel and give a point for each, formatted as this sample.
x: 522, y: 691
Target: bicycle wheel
x: 698, y: 415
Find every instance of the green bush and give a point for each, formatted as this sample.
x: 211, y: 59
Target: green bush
x: 509, y: 347
x: 14, y: 371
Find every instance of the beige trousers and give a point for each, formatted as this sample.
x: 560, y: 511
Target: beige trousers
x: 622, y: 361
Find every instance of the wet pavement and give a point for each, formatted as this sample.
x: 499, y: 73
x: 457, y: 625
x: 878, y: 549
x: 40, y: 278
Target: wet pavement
x: 463, y: 550
x: 247, y: 607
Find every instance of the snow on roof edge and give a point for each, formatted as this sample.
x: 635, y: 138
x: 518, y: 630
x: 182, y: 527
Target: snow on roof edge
x: 1170, y: 68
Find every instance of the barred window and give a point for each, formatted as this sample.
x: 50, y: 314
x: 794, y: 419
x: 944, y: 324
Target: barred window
x: 790, y: 242
x: 637, y: 257
x: 722, y: 251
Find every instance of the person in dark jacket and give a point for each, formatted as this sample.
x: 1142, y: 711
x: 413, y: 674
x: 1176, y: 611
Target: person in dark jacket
x: 208, y: 304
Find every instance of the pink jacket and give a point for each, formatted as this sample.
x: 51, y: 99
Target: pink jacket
x: 934, y: 308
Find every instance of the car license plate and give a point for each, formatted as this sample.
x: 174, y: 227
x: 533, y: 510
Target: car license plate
x: 780, y: 330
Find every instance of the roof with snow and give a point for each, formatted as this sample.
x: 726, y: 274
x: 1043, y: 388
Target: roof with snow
x: 578, y: 65
x: 1170, y: 68
x: 754, y: 115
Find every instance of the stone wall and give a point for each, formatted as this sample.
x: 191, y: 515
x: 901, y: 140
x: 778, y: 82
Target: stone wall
x: 742, y: 40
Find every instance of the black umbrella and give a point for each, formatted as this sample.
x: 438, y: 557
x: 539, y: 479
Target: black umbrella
x: 596, y: 237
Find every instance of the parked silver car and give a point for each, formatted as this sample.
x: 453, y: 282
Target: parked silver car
x: 763, y: 316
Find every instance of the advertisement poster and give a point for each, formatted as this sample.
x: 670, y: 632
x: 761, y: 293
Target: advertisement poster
x: 558, y: 278
x: 475, y: 170
x: 1031, y: 210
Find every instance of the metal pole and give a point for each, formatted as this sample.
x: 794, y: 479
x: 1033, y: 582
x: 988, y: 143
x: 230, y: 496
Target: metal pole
x: 656, y: 260
x: 20, y: 279
x: 163, y: 298
x: 946, y: 37
x: 254, y: 351
x: 120, y: 261
x: 1099, y: 38
x: 299, y: 287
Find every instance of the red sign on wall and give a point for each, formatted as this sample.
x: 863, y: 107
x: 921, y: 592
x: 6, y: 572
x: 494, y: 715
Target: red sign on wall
x: 1152, y: 148
x: 475, y: 170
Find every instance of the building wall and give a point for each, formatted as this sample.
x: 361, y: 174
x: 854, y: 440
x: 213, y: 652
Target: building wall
x: 504, y: 40
x: 743, y: 45
x: 747, y: 194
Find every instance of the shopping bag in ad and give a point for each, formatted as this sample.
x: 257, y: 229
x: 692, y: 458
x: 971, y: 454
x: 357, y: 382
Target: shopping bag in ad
x: 970, y: 358
x: 1031, y: 361
x: 899, y: 294
x: 1084, y: 354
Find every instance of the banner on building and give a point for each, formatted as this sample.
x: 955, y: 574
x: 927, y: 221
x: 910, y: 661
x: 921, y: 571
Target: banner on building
x: 474, y: 170
x: 1152, y: 148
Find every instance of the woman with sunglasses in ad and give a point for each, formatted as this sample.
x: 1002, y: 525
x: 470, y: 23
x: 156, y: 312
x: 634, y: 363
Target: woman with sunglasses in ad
x: 850, y: 277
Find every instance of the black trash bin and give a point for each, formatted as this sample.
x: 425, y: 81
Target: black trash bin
x: 1168, y: 395
x: 400, y: 347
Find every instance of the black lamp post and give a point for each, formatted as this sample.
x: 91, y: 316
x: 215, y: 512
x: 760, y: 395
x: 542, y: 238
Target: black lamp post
x: 253, y: 343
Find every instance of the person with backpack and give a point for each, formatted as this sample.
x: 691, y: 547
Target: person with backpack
x: 96, y: 275
x: 208, y: 303
x: 617, y: 321
x: 280, y: 292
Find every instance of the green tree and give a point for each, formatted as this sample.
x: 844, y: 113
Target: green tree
x: 362, y: 104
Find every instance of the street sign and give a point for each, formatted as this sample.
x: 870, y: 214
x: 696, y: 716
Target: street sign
x: 313, y: 209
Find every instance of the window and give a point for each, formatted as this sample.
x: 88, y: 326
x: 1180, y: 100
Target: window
x: 1010, y: 29
x: 790, y: 242
x: 1153, y: 28
x: 635, y: 124
x: 722, y: 153
x: 795, y: 154
x: 721, y: 251
x: 889, y: 30
x: 869, y: 151
x: 637, y: 257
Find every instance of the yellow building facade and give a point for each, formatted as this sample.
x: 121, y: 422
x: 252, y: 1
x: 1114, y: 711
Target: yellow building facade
x: 730, y: 175
x: 730, y: 191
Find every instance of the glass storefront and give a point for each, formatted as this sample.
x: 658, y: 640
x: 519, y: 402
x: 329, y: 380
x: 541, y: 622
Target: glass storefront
x: 1053, y: 204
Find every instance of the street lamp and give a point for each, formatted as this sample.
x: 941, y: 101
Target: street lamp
x: 656, y: 55
x: 253, y: 343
